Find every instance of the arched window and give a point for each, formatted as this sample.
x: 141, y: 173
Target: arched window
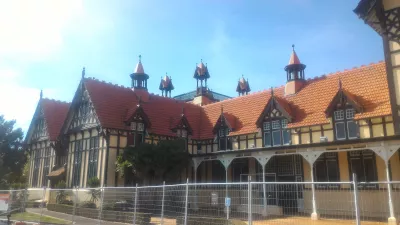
x: 344, y: 124
x: 275, y: 132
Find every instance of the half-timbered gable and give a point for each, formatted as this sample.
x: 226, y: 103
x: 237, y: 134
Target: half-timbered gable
x: 42, y: 140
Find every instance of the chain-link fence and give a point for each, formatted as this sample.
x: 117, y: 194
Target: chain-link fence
x: 209, y: 203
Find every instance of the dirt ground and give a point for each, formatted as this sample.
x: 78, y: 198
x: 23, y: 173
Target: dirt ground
x: 287, y: 221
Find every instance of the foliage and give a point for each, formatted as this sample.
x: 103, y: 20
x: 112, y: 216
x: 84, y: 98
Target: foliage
x: 94, y: 182
x: 161, y: 162
x: 61, y: 194
x: 88, y: 204
x: 12, y: 156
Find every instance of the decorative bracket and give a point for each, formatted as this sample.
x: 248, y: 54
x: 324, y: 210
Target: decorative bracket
x: 196, y: 163
x: 386, y: 152
x: 226, y: 160
x: 263, y: 158
x: 311, y: 156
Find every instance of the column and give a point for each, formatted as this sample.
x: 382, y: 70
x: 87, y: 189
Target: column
x: 392, y: 218
x: 264, y: 187
x: 314, y: 214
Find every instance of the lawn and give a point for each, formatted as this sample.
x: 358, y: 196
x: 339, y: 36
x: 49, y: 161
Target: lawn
x: 33, y: 217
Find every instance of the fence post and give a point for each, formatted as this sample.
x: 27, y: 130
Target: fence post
x: 162, y: 204
x: 356, y: 206
x: 99, y: 219
x: 249, y: 203
x: 135, y: 203
x: 25, y: 199
x: 41, y: 204
x: 75, y: 202
x: 186, y: 201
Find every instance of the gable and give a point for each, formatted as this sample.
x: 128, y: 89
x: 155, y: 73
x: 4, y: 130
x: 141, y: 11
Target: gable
x: 38, y: 128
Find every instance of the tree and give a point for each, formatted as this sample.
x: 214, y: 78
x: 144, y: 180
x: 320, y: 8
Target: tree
x: 12, y: 156
x: 161, y: 162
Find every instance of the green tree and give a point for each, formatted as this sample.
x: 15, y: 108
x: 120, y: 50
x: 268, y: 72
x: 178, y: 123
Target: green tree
x: 161, y: 162
x: 12, y: 156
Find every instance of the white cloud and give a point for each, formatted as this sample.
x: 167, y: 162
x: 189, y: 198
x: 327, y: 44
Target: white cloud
x: 18, y: 102
x: 32, y: 30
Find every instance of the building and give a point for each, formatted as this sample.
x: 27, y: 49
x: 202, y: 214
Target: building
x: 320, y: 129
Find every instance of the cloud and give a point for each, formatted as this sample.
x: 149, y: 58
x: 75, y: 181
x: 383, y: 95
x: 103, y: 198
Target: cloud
x: 32, y: 30
x: 18, y: 102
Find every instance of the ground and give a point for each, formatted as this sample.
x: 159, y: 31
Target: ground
x: 33, y: 217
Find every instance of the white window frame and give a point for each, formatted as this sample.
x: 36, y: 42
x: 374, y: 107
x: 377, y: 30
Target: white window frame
x: 184, y: 133
x: 272, y: 137
x: 284, y: 123
x: 265, y: 134
x: 339, y: 115
x: 222, y: 132
x: 336, y: 131
x: 350, y: 114
x: 276, y: 124
x: 133, y: 125
x: 140, y: 126
x: 266, y: 126
x: 348, y: 133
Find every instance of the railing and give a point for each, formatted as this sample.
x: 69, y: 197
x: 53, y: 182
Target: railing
x: 212, y: 203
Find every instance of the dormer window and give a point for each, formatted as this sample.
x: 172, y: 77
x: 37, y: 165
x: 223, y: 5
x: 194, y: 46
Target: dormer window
x: 136, y: 135
x: 276, y: 132
x: 345, y: 126
x: 181, y: 133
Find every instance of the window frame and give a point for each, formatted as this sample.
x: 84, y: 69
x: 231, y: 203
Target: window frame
x: 325, y: 158
x: 223, y: 136
x: 273, y: 125
x: 362, y: 156
x: 345, y: 116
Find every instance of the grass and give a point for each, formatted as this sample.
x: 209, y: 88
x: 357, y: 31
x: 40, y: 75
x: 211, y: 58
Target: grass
x: 33, y: 217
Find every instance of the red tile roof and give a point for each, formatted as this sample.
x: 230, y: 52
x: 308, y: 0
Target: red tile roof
x: 368, y: 84
x: 55, y: 112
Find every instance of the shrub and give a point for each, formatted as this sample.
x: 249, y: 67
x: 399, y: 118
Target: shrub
x: 61, y: 194
x: 90, y: 205
x: 94, y: 182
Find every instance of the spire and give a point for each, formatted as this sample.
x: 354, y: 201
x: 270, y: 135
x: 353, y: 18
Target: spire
x: 243, y: 86
x: 41, y: 94
x: 139, y: 77
x: 340, y: 83
x: 83, y: 72
x: 294, y: 59
x: 183, y: 109
x: 272, y: 92
x: 166, y: 85
x: 139, y: 67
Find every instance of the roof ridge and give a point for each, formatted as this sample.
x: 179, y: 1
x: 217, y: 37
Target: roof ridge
x: 237, y: 97
x: 56, y: 100
x: 340, y: 72
x: 108, y: 83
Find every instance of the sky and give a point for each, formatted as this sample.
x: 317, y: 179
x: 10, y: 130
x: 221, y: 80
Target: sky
x: 44, y: 44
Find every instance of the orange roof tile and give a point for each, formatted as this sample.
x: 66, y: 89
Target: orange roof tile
x: 368, y: 84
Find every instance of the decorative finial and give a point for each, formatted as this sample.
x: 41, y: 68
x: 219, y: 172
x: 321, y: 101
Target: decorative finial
x: 340, y: 83
x: 293, y: 47
x: 83, y: 72
x: 222, y: 108
x: 140, y: 101
x: 183, y: 109
x: 272, y: 92
x: 41, y: 94
x: 201, y: 60
x: 140, y: 58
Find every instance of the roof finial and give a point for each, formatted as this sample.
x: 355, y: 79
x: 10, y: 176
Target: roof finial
x: 140, y: 101
x: 222, y: 108
x: 140, y: 58
x: 201, y: 60
x: 83, y: 72
x: 41, y: 93
x: 272, y: 92
x: 183, y: 109
x: 340, y: 83
x: 293, y: 46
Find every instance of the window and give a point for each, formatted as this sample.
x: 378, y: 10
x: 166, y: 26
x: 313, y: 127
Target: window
x: 140, y: 126
x: 36, y: 166
x: 199, y: 150
x: 46, y: 165
x: 93, y: 157
x: 76, y: 175
x: 133, y: 125
x: 279, y: 135
x: 362, y: 163
x: 266, y: 126
x: 225, y: 142
x: 345, y: 126
x: 184, y: 133
x: 326, y: 168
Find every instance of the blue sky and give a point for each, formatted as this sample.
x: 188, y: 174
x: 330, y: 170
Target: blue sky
x: 45, y: 43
